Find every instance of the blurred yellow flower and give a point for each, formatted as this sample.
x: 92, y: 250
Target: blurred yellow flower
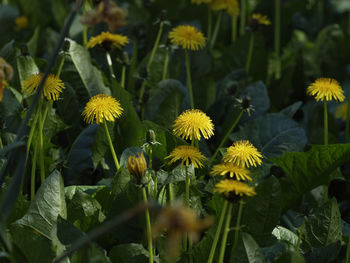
x: 229, y: 6
x: 326, y: 89
x: 52, y: 88
x: 187, y: 155
x: 21, y: 22
x: 341, y: 111
x: 188, y: 37
x: 198, y: 2
x: 260, y: 19
x: 193, y: 124
x: 6, y: 74
x: 100, y: 108
x: 228, y: 187
x: 231, y: 170
x: 109, y: 39
x: 243, y: 154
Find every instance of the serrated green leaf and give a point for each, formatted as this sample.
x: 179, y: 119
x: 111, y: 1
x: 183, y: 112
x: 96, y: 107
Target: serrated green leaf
x: 252, y: 249
x: 129, y: 253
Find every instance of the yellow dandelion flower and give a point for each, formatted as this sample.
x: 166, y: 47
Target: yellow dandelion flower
x: 262, y: 20
x: 341, y: 111
x: 116, y: 40
x: 188, y: 37
x: 21, y: 22
x: 193, y: 124
x: 229, y: 6
x: 326, y: 89
x: 231, y: 170
x: 137, y: 165
x: 52, y: 88
x: 229, y: 186
x: 100, y: 108
x: 243, y: 154
x: 187, y: 155
x: 198, y: 2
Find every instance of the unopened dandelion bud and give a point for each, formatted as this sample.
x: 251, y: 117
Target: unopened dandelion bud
x: 151, y: 137
x: 137, y: 166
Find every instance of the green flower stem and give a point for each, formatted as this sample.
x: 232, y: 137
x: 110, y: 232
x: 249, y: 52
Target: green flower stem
x: 277, y: 36
x: 155, y: 47
x: 187, y: 188
x: 189, y: 81
x: 165, y: 66
x: 41, y: 144
x: 234, y: 29
x: 217, y: 233
x: 110, y: 64
x: 31, y: 132
x: 225, y: 233
x: 1, y: 144
x: 349, y: 23
x: 171, y: 194
x: 301, y: 232
x: 250, y: 53
x: 155, y: 184
x: 85, y: 36
x: 216, y: 30
x: 222, y: 143
x: 122, y: 81
x: 131, y: 79
x: 32, y: 176
x: 347, y: 122
x: 238, y: 223
x: 347, y: 257
x: 142, y: 91
x: 242, y: 17
x: 325, y: 188
x: 59, y: 71
x: 149, y: 171
x: 148, y: 225
x: 210, y: 22
x: 111, y: 146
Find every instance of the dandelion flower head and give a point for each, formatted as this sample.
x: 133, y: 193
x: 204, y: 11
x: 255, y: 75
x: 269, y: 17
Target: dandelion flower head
x: 21, y: 22
x: 100, y: 108
x: 187, y: 155
x: 228, y: 187
x: 261, y: 20
x: 193, y: 124
x: 231, y: 170
x: 244, y: 154
x: 326, y: 89
x: 342, y: 111
x: 115, y: 40
x: 52, y: 88
x: 188, y: 37
x: 229, y: 6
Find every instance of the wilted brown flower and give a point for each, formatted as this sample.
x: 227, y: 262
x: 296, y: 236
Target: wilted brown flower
x: 108, y: 12
x: 178, y: 220
x: 6, y: 74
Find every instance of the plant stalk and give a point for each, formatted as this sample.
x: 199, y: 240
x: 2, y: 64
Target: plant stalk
x: 155, y: 47
x: 131, y: 79
x: 189, y: 80
x: 115, y: 159
x: 217, y: 233
x: 325, y: 188
x: 33, y: 170
x: 148, y: 226
x: 242, y: 17
x: 122, y: 81
x: 216, y: 30
x: 41, y: 143
x: 277, y: 36
x: 222, y: 143
x: 234, y: 29
x: 225, y: 233
x: 347, y: 122
x: 238, y: 223
x: 171, y: 195
x: 250, y: 53
x: 110, y: 64
x: 165, y: 66
x: 210, y: 22
x: 347, y: 257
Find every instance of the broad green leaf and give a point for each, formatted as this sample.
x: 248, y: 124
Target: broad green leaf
x: 129, y: 253
x: 90, y: 189
x: 90, y: 75
x: 290, y: 257
x: 324, y: 226
x: 252, y: 249
x: 26, y: 67
x: 80, y: 157
x: 49, y: 202
x: 307, y: 170
x: 292, y: 109
x: 273, y: 135
x: 261, y: 213
x: 284, y: 234
x: 165, y: 104
x: 324, y: 254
